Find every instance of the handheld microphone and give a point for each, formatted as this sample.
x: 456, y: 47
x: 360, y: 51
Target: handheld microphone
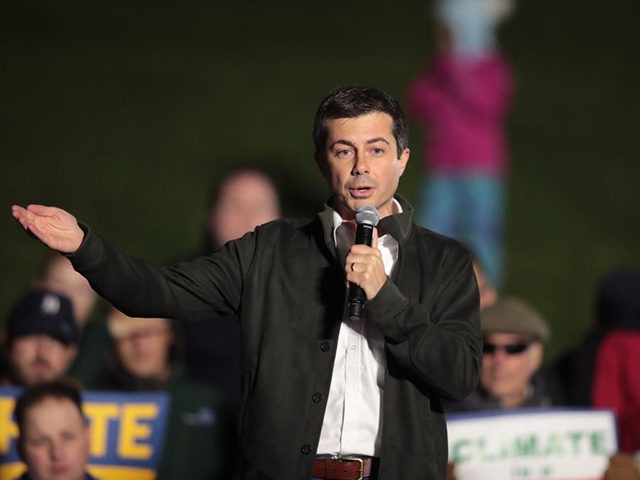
x: 366, y: 219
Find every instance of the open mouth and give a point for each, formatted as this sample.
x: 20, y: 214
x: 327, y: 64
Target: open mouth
x: 360, y: 192
x: 59, y: 470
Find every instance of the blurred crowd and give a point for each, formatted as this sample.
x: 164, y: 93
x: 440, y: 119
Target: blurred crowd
x: 60, y: 330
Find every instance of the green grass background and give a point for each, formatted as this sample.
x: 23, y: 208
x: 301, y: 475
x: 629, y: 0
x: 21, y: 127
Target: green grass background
x: 123, y: 113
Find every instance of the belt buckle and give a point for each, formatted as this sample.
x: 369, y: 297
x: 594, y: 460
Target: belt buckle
x: 360, y: 461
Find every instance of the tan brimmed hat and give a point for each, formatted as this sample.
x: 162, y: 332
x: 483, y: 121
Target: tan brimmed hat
x: 121, y: 325
x: 512, y: 315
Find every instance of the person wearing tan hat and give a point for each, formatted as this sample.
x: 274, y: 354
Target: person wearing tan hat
x: 147, y: 356
x: 143, y: 346
x: 514, y: 335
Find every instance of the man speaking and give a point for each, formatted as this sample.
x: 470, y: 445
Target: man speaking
x: 324, y: 395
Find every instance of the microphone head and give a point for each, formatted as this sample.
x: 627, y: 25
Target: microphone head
x: 368, y: 215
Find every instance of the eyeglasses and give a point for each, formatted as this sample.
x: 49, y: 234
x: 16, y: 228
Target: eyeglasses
x: 509, y: 348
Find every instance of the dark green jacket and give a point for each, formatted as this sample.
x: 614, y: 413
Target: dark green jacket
x: 287, y: 286
x: 195, y: 428
x: 195, y: 444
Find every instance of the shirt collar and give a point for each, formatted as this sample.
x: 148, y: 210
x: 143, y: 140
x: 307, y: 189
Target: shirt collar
x: 338, y: 220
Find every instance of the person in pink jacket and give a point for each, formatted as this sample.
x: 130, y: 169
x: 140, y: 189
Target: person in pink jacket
x: 616, y: 376
x: 461, y: 100
x: 616, y: 384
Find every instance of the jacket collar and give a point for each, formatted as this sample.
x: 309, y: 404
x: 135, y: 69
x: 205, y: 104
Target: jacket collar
x: 398, y: 226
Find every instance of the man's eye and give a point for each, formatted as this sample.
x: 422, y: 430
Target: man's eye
x: 377, y: 150
x: 68, y: 436
x: 343, y: 153
x: 36, y: 442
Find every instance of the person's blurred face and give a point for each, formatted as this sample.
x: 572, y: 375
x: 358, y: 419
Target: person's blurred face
x: 362, y: 164
x: 55, y: 441
x: 60, y: 277
x: 144, y: 352
x: 506, y: 375
x: 39, y: 358
x: 246, y: 200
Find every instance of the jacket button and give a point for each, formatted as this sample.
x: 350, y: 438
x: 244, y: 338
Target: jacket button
x: 317, y: 397
x: 325, y: 346
x: 306, y: 449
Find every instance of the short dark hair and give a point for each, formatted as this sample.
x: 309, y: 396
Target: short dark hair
x: 353, y: 101
x: 63, y: 389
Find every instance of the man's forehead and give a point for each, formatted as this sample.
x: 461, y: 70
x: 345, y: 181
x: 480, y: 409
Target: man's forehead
x: 373, y: 125
x: 373, y: 116
x: 71, y: 414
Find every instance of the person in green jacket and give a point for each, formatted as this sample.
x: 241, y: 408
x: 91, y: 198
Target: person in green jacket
x: 323, y: 395
x: 146, y: 356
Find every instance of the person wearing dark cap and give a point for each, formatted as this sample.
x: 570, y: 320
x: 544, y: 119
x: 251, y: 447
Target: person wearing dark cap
x: 514, y: 335
x: 42, y: 337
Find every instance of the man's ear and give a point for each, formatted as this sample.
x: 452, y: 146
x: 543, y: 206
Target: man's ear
x: 403, y: 159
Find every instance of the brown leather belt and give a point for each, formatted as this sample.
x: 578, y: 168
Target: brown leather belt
x: 342, y: 468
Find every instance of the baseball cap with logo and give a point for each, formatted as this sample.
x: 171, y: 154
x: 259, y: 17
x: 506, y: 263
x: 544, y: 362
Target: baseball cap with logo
x: 40, y: 312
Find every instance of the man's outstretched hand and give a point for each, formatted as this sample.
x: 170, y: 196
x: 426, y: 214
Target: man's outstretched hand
x: 54, y: 227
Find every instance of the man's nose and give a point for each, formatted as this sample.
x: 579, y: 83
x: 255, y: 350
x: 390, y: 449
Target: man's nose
x: 500, y: 355
x: 360, y: 164
x: 45, y: 343
x: 56, y: 450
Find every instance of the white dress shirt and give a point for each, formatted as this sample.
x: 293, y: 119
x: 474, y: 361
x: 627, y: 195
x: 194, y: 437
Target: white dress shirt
x: 352, y: 422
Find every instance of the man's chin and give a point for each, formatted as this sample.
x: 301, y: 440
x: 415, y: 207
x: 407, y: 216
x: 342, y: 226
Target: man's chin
x: 42, y: 376
x: 354, y: 204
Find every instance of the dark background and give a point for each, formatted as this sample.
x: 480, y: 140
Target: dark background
x: 123, y: 113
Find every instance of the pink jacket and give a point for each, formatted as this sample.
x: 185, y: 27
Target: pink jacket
x: 462, y: 106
